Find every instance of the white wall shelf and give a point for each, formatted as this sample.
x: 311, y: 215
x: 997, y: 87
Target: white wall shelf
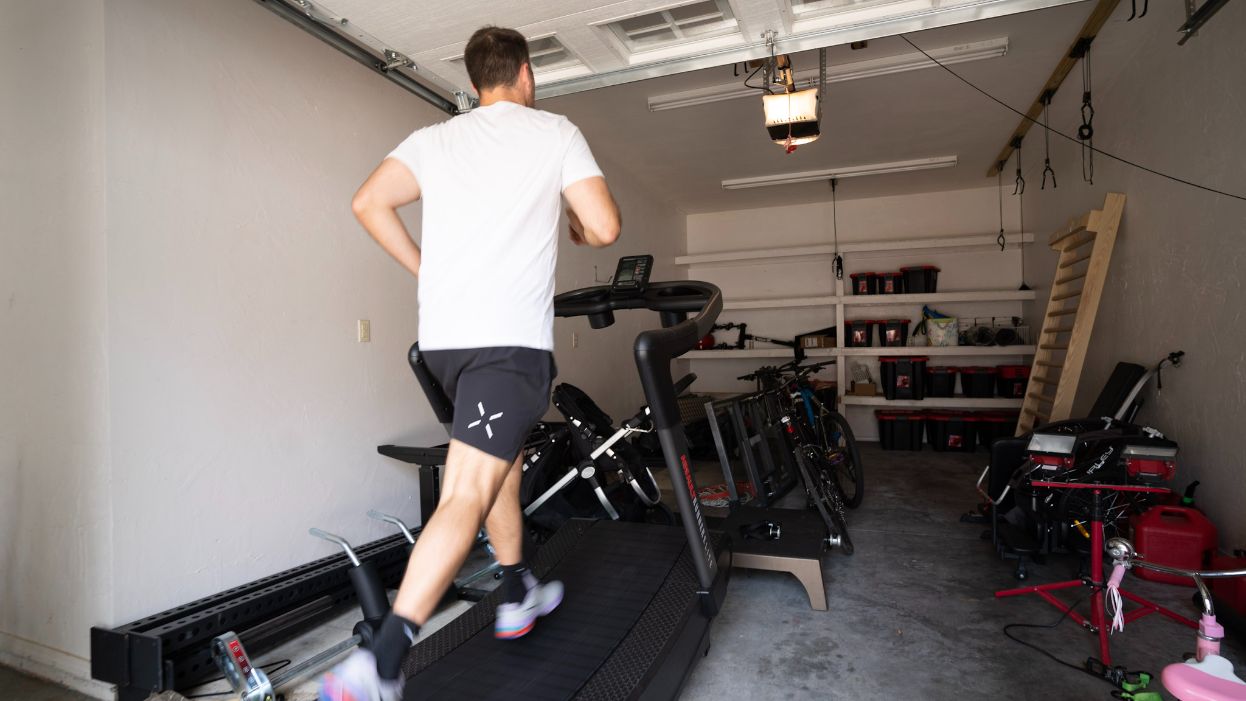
x: 780, y: 302
x: 742, y: 353
x: 980, y: 241
x: 957, y: 402
x: 942, y: 297
x: 964, y: 351
x: 806, y: 295
x: 880, y: 300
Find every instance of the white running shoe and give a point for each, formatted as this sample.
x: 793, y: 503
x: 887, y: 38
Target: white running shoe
x: 516, y: 620
x: 356, y: 679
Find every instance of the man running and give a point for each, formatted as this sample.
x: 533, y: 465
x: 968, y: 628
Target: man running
x: 491, y: 182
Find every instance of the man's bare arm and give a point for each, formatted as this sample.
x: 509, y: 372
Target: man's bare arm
x: 376, y: 205
x: 593, y: 213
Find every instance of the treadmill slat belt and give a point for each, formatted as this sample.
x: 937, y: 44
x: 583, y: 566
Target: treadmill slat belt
x: 611, y: 572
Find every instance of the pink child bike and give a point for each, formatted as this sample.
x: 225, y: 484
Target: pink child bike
x: 1206, y: 677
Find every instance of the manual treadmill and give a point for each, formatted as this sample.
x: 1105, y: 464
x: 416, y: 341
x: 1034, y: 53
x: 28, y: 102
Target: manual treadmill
x: 639, y: 598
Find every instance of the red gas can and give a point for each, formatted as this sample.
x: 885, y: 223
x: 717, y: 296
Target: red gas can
x: 1176, y: 536
x: 1231, y: 590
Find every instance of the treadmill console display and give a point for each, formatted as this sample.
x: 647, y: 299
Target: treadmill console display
x: 632, y: 275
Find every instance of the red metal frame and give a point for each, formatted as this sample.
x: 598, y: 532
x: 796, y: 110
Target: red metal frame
x: 1098, y: 621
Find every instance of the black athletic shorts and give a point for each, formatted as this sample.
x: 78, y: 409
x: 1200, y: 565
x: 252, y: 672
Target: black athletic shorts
x: 499, y: 394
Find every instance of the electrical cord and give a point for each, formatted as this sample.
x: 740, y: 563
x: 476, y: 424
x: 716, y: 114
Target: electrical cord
x: 763, y: 88
x: 1046, y: 626
x: 1066, y: 137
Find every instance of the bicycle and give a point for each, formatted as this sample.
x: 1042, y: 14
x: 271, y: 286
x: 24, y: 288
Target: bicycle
x: 1206, y: 677
x: 829, y: 428
x: 819, y: 467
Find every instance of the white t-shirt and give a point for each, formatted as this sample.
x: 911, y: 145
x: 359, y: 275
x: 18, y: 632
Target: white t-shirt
x: 491, y: 182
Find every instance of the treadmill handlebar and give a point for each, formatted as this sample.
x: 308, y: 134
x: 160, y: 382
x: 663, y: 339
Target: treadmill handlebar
x: 654, y: 350
x: 674, y: 299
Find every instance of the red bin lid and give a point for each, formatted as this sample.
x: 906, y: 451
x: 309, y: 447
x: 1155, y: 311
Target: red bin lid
x: 977, y: 370
x: 950, y: 369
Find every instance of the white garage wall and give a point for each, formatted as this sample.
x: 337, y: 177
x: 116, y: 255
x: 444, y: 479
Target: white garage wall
x: 198, y: 332
x: 951, y: 213
x: 603, y: 364
x: 244, y: 410
x: 1176, y: 280
x: 55, y: 570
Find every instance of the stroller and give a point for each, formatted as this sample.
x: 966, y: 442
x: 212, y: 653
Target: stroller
x: 1028, y: 522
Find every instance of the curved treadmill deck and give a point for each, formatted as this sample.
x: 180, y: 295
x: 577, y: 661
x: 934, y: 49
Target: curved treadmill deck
x: 631, y: 624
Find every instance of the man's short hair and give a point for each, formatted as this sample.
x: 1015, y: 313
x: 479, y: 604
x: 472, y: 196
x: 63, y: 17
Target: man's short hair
x: 494, y: 56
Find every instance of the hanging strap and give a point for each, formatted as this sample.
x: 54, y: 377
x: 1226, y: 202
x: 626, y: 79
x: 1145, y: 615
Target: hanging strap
x: 837, y: 264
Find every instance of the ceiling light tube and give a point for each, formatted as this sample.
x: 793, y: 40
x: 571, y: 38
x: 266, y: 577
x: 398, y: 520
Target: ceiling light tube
x: 855, y: 171
x: 948, y: 55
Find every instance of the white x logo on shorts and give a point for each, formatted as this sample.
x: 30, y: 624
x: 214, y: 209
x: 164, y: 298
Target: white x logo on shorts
x: 488, y: 429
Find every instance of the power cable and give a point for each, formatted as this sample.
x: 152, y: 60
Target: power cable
x: 1066, y: 137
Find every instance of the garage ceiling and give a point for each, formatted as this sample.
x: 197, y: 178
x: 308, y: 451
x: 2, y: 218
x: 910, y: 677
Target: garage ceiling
x: 607, y: 43
x: 602, y: 63
x: 685, y: 154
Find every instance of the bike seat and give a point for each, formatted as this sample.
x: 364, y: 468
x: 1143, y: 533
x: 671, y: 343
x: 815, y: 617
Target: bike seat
x: 1209, y: 680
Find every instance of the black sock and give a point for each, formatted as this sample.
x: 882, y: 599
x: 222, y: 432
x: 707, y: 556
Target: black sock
x: 391, y: 643
x: 514, y: 589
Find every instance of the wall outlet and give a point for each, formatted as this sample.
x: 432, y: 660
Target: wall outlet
x: 575, y: 340
x: 364, y: 329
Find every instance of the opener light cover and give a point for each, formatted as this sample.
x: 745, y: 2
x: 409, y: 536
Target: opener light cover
x: 793, y: 115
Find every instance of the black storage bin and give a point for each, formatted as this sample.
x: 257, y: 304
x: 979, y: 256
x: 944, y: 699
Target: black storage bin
x: 900, y: 430
x: 978, y: 382
x: 952, y: 431
x: 864, y: 283
x: 893, y: 332
x: 994, y: 425
x: 920, y: 279
x: 859, y: 333
x: 941, y: 381
x: 903, y: 378
x: 890, y: 283
x: 1012, y: 380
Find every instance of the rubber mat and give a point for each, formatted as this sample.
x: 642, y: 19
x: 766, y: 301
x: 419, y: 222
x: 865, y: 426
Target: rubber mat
x: 611, y: 573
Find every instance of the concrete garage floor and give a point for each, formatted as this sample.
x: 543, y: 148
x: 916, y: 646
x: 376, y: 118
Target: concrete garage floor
x: 911, y: 615
x: 19, y: 687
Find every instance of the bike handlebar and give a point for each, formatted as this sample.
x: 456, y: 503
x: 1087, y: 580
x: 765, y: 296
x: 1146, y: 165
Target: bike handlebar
x: 797, y: 370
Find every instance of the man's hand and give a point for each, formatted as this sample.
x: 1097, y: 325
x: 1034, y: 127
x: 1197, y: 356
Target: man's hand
x: 576, y: 227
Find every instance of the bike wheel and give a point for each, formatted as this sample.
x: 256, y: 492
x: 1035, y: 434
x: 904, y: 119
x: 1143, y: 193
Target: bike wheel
x: 823, y: 489
x: 840, y: 449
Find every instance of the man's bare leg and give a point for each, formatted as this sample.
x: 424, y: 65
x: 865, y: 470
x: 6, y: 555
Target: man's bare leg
x: 505, y: 521
x: 469, y: 487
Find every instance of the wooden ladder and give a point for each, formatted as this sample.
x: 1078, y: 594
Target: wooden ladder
x: 1085, y: 248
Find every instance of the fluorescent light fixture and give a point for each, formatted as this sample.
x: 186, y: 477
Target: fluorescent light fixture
x: 792, y: 118
x: 841, y: 172
x: 948, y: 55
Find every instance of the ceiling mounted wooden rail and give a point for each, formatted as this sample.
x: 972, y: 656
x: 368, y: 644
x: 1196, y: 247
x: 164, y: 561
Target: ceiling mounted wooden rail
x: 1077, y: 49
